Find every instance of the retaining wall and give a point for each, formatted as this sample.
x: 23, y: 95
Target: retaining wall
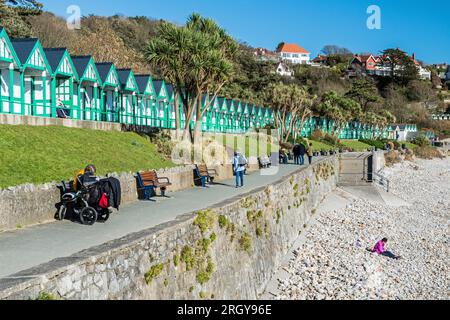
x: 229, y: 251
x: 30, y: 204
x: 14, y: 119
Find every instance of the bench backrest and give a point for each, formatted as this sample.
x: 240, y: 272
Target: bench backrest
x: 202, y: 170
x: 145, y: 177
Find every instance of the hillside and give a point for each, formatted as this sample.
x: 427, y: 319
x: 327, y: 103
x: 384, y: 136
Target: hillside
x: 123, y: 41
x: 43, y: 154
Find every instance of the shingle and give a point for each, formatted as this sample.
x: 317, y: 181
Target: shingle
x: 23, y: 48
x: 81, y: 63
x: 158, y: 85
x: 123, y: 76
x: 170, y: 90
x: 103, y: 69
x: 54, y: 56
x: 142, y: 81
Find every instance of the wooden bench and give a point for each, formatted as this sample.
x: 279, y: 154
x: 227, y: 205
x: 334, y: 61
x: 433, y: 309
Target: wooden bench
x: 264, y: 162
x: 203, y: 174
x: 148, y: 181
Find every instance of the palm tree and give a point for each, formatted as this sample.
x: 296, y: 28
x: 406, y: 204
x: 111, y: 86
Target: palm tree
x: 339, y: 109
x: 197, y: 59
x: 291, y: 106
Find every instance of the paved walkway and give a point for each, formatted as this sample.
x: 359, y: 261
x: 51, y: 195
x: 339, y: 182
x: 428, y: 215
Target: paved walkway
x: 26, y: 248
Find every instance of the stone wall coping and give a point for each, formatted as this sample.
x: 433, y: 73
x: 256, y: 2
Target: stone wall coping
x: 53, y: 184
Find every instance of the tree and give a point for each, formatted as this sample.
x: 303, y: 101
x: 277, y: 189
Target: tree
x: 26, y: 7
x: 291, y: 105
x: 329, y: 50
x: 339, y: 109
x: 364, y: 92
x: 280, y: 45
x: 403, y: 68
x: 197, y: 59
x: 14, y: 14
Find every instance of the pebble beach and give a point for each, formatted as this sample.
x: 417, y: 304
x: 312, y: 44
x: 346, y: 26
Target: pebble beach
x: 333, y: 262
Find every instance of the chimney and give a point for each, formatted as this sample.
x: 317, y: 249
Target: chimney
x: 414, y: 56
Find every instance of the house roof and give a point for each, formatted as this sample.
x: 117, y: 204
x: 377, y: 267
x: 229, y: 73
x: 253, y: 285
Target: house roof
x: 142, y: 81
x: 124, y: 74
x: 292, y: 48
x: 54, y: 56
x: 260, y: 52
x: 103, y: 69
x: 81, y: 63
x: 158, y: 85
x: 320, y: 58
x: 23, y: 48
x: 170, y: 90
x: 221, y: 100
x: 364, y: 58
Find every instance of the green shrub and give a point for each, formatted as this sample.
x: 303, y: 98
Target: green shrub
x: 245, y: 242
x: 46, y: 296
x: 205, y: 220
x: 379, y: 144
x: 421, y: 141
x: 153, y: 272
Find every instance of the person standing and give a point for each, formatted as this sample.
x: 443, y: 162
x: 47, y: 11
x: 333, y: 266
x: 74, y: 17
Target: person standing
x: 296, y: 152
x: 310, y: 152
x: 302, y: 151
x: 239, y: 163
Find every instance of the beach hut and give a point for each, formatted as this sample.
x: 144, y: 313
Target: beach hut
x: 129, y: 109
x: 10, y: 94
x: 87, y: 88
x: 146, y: 99
x: 35, y: 95
x: 109, y: 91
x: 162, y: 101
x: 63, y: 77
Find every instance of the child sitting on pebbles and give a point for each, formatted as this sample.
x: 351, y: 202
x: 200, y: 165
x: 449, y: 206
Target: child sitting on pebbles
x: 380, y: 248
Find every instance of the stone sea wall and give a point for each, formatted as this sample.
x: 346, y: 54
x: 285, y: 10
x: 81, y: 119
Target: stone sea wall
x: 228, y: 251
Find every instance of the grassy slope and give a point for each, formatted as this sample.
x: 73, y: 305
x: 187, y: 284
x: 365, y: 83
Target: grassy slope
x: 356, y: 145
x: 320, y: 146
x: 43, y: 154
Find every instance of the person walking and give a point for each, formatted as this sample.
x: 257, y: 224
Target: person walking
x: 302, y: 152
x: 239, y: 163
x: 310, y: 152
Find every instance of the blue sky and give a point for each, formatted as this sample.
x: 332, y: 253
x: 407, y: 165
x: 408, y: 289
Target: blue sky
x: 422, y: 27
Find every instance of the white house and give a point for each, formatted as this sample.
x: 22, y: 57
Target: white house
x: 424, y: 74
x: 284, y: 70
x: 294, y: 54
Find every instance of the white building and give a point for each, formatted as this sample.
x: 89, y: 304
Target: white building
x: 294, y: 54
x: 284, y: 70
x: 424, y: 74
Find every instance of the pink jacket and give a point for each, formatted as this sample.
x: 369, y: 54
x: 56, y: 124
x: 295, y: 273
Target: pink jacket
x: 379, y: 247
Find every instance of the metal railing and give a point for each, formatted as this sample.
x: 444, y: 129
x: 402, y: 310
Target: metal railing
x: 381, y: 180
